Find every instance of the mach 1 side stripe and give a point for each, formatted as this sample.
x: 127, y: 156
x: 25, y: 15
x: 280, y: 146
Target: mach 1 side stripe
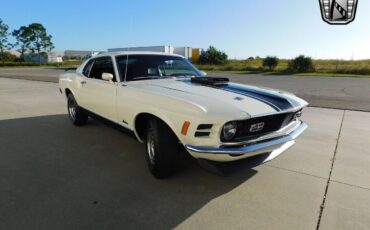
x: 274, y: 100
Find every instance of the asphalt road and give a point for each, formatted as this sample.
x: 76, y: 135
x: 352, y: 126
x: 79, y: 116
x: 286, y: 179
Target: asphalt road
x: 32, y: 73
x: 327, y: 92
x: 57, y: 176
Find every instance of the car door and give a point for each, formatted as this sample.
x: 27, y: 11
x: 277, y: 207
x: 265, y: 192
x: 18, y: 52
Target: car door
x: 96, y: 94
x: 81, y: 93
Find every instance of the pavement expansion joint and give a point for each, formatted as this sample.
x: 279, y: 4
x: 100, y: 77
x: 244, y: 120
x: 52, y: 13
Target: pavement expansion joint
x: 322, y: 206
x: 351, y: 185
x: 294, y: 171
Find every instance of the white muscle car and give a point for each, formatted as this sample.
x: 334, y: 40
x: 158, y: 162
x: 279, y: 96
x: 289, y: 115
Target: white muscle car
x: 168, y: 103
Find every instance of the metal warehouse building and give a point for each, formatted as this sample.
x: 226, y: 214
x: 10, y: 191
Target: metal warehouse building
x: 191, y: 54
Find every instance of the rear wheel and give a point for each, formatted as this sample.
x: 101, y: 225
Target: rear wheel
x: 77, y: 116
x: 161, y: 149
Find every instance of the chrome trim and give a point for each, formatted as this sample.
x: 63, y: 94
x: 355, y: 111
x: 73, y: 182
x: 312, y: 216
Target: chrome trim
x: 259, y: 116
x: 254, y: 149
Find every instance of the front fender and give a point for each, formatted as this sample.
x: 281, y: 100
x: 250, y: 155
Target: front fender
x: 66, y: 82
x: 160, y: 115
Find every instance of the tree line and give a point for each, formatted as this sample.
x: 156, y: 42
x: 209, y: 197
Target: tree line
x: 32, y: 38
x: 213, y: 56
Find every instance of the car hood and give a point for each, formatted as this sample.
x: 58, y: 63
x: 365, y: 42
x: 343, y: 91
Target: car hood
x: 249, y: 100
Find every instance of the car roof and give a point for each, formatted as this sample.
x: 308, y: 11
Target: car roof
x: 118, y: 53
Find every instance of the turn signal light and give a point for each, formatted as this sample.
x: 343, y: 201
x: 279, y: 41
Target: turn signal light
x: 185, y: 128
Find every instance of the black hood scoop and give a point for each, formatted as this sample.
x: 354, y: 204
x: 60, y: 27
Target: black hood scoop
x: 210, y: 80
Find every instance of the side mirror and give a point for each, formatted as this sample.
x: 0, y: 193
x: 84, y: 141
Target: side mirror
x: 107, y: 76
x: 203, y: 73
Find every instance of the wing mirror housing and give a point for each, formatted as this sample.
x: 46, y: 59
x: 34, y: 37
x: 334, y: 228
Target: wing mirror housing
x: 107, y: 76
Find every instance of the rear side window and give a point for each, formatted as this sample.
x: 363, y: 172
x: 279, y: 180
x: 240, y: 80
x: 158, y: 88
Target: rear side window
x: 100, y: 66
x: 87, y: 68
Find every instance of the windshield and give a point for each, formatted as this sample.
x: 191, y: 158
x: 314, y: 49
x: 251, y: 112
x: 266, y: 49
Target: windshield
x: 144, y: 67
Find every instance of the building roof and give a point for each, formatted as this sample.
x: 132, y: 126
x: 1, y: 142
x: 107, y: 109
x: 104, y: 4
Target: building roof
x: 118, y: 53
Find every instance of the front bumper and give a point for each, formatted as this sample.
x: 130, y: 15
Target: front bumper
x: 278, y: 144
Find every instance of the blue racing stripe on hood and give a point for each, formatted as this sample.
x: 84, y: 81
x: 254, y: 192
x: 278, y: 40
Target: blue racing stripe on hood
x: 276, y: 101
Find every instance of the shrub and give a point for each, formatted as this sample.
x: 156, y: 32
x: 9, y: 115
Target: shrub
x: 6, y: 56
x: 301, y: 64
x: 19, y: 64
x: 213, y: 56
x: 270, y: 62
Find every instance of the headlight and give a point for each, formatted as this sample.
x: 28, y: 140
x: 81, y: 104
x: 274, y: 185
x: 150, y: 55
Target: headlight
x: 229, y: 130
x: 298, y: 114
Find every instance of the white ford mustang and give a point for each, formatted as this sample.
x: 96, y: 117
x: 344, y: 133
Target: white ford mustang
x: 168, y: 103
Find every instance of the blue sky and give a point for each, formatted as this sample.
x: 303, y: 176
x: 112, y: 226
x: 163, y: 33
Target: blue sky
x: 241, y: 28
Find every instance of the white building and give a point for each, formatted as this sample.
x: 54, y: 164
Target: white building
x: 79, y: 54
x: 187, y: 52
x: 183, y: 51
x: 55, y: 57
x: 162, y: 49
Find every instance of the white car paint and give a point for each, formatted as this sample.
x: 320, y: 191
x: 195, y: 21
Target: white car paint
x: 172, y: 100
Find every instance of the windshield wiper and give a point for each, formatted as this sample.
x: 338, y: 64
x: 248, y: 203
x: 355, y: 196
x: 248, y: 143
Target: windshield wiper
x: 182, y: 75
x: 146, y: 77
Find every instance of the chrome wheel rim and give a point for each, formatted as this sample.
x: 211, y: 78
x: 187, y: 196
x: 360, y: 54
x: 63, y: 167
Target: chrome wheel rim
x: 72, y: 109
x: 150, y: 144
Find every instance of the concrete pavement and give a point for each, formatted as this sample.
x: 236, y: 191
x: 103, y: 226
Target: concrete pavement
x: 57, y: 176
x: 347, y: 207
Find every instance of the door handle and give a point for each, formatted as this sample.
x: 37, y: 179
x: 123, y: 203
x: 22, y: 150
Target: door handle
x: 83, y: 82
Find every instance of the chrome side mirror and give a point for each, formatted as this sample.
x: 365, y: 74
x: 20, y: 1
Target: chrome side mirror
x: 107, y: 76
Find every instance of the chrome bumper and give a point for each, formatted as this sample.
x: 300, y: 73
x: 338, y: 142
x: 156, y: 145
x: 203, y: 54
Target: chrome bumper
x: 252, y: 149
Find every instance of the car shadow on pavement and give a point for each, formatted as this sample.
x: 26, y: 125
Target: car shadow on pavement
x: 57, y: 176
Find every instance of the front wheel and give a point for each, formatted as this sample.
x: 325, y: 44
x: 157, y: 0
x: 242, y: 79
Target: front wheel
x: 77, y: 116
x: 161, y: 149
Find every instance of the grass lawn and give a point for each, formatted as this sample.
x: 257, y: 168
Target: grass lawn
x: 333, y: 75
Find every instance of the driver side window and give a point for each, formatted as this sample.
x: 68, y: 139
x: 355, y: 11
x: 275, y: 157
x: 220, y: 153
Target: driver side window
x: 100, y: 66
x: 87, y: 68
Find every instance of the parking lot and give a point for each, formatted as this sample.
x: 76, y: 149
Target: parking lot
x: 329, y: 92
x: 57, y: 176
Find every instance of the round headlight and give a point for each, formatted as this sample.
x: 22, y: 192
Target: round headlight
x: 229, y: 130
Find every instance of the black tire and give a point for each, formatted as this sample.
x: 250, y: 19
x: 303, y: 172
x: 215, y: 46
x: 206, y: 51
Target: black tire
x: 77, y: 115
x: 161, y: 149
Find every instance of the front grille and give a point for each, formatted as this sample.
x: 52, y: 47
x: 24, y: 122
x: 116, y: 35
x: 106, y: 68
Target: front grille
x: 271, y: 123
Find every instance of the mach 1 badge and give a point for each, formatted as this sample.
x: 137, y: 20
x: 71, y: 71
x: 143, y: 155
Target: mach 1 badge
x: 338, y: 12
x: 256, y: 127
